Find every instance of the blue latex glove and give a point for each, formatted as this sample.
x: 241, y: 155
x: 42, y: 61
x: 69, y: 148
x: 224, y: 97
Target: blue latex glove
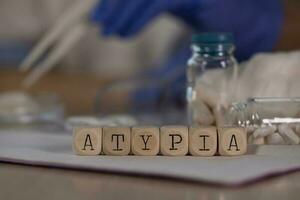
x: 127, y: 17
x: 255, y: 24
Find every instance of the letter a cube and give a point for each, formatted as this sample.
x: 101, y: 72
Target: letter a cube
x: 174, y: 140
x: 87, y: 141
x: 232, y: 141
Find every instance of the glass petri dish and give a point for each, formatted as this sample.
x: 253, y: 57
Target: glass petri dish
x: 22, y: 109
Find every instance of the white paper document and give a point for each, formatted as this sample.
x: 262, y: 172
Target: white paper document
x: 55, y: 150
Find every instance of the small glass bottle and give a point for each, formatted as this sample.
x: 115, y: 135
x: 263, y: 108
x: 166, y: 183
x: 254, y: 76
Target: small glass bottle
x: 211, y: 51
x: 260, y: 112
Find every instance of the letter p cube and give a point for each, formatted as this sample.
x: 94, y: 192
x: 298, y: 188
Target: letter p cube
x: 174, y: 140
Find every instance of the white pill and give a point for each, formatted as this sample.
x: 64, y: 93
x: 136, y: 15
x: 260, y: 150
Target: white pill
x: 264, y: 131
x: 257, y: 141
x: 297, y: 129
x: 288, y: 134
x: 250, y: 129
x: 275, y: 138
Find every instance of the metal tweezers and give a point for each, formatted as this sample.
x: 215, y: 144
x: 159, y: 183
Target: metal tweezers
x: 68, y: 30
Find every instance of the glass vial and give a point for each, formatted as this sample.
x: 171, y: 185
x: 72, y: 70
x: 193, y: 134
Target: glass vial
x: 210, y: 51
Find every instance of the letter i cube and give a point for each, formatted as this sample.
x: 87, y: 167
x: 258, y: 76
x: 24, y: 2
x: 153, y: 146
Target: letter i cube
x: 87, y: 141
x: 232, y: 141
x: 203, y: 141
x: 116, y: 141
x: 174, y: 140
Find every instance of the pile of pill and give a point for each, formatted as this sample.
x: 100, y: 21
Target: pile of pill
x: 166, y: 141
x: 274, y: 134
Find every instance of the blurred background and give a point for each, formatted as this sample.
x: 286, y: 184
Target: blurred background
x: 97, y: 61
x: 92, y: 63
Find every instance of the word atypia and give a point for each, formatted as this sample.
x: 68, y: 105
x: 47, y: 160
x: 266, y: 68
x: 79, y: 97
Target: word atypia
x: 166, y: 140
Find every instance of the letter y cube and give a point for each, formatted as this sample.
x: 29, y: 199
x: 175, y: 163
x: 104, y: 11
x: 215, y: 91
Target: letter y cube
x: 145, y: 141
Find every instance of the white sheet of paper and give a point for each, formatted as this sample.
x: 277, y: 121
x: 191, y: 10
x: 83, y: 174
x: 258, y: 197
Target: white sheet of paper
x: 55, y: 149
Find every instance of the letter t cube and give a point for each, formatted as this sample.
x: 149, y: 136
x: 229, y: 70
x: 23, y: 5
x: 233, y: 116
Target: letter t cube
x: 116, y: 141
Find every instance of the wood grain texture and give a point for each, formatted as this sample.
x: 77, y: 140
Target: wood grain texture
x: 116, y: 141
x: 232, y: 141
x: 174, y: 140
x: 203, y: 141
x: 145, y: 141
x: 87, y: 141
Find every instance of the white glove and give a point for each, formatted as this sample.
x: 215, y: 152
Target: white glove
x: 270, y: 75
x: 265, y: 75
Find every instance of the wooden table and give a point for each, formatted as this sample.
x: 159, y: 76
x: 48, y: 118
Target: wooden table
x: 25, y: 182
x: 78, y: 92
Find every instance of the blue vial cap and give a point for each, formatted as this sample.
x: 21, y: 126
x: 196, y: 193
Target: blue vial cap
x: 213, y: 38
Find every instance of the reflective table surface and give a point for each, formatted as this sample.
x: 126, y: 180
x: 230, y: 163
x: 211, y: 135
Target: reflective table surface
x: 26, y: 182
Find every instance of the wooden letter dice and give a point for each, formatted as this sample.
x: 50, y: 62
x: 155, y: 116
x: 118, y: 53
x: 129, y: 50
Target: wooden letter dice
x: 87, y: 141
x: 203, y: 141
x: 232, y: 141
x: 145, y: 141
x: 174, y: 140
x: 116, y: 141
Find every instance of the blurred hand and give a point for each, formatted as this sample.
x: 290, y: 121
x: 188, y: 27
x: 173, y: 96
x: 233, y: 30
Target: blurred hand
x: 127, y: 17
x: 256, y: 24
